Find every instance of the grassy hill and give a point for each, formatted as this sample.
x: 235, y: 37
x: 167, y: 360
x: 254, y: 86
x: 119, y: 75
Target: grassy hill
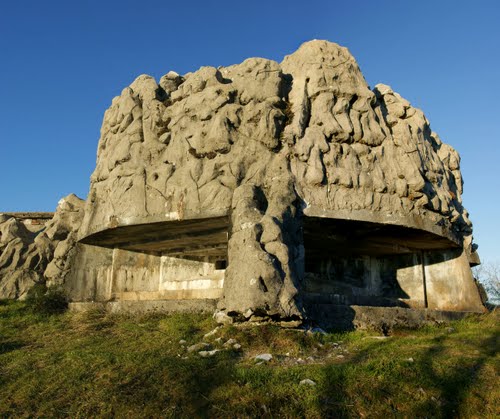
x: 99, y: 365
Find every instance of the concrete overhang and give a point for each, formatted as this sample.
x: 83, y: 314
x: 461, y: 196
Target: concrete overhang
x: 439, y: 228
x: 323, y: 236
x: 474, y: 259
x: 199, y: 238
x: 29, y: 215
x: 191, y: 239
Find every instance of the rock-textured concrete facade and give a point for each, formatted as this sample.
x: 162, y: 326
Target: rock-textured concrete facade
x: 38, y: 252
x: 272, y: 188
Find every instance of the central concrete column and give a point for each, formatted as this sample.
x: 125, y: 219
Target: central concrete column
x: 264, y: 250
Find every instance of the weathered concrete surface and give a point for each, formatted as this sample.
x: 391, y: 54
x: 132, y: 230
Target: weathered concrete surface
x: 40, y: 256
x: 438, y: 280
x: 193, y: 238
x: 383, y: 319
x: 450, y: 284
x: 160, y: 306
x: 265, y: 144
x: 101, y: 274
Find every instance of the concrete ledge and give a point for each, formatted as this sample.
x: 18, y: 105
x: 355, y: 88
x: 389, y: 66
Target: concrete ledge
x: 430, y: 221
x: 148, y: 306
x: 345, y: 317
x: 327, y: 316
x: 30, y: 215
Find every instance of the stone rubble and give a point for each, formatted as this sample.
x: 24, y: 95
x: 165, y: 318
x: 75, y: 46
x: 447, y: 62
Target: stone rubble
x: 263, y: 357
x: 198, y: 347
x: 208, y: 354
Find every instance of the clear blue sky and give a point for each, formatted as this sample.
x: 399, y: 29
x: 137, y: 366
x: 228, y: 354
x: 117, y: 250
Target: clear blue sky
x: 61, y: 63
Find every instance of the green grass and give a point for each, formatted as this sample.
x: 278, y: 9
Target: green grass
x: 100, y: 365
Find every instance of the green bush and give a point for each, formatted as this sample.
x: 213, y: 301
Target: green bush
x: 47, y: 300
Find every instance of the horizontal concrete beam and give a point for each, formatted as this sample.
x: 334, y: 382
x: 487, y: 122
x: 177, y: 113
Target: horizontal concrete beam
x: 187, y: 237
x: 160, y: 306
x: 30, y: 215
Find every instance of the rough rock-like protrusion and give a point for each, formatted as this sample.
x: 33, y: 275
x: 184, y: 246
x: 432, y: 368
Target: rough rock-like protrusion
x: 27, y: 258
x: 264, y: 248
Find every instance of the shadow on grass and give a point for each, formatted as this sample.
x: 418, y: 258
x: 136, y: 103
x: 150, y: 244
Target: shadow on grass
x: 457, y: 383
x: 10, y: 346
x: 453, y: 381
x: 174, y: 387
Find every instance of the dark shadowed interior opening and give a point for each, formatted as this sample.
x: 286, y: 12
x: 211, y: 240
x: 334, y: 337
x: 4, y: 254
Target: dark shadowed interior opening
x: 362, y: 263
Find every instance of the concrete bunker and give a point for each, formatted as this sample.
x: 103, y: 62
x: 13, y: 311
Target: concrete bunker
x: 261, y: 190
x: 266, y: 190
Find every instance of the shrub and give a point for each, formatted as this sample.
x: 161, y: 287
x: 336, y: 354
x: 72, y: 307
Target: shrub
x: 47, y: 300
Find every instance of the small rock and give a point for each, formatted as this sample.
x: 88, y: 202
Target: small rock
x: 340, y: 356
x: 290, y: 324
x: 222, y: 318
x: 450, y: 329
x: 236, y: 346
x: 182, y: 342
x: 213, y: 332
x: 300, y: 361
x: 307, y: 382
x: 198, y: 346
x: 310, y: 359
x: 230, y: 342
x: 410, y: 360
x: 257, y: 319
x: 264, y: 357
x: 208, y: 354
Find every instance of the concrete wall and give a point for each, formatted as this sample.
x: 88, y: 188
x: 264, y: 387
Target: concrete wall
x: 182, y: 278
x: 101, y: 274
x: 367, y: 280
x: 443, y: 282
x: 91, y: 274
x: 450, y: 284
